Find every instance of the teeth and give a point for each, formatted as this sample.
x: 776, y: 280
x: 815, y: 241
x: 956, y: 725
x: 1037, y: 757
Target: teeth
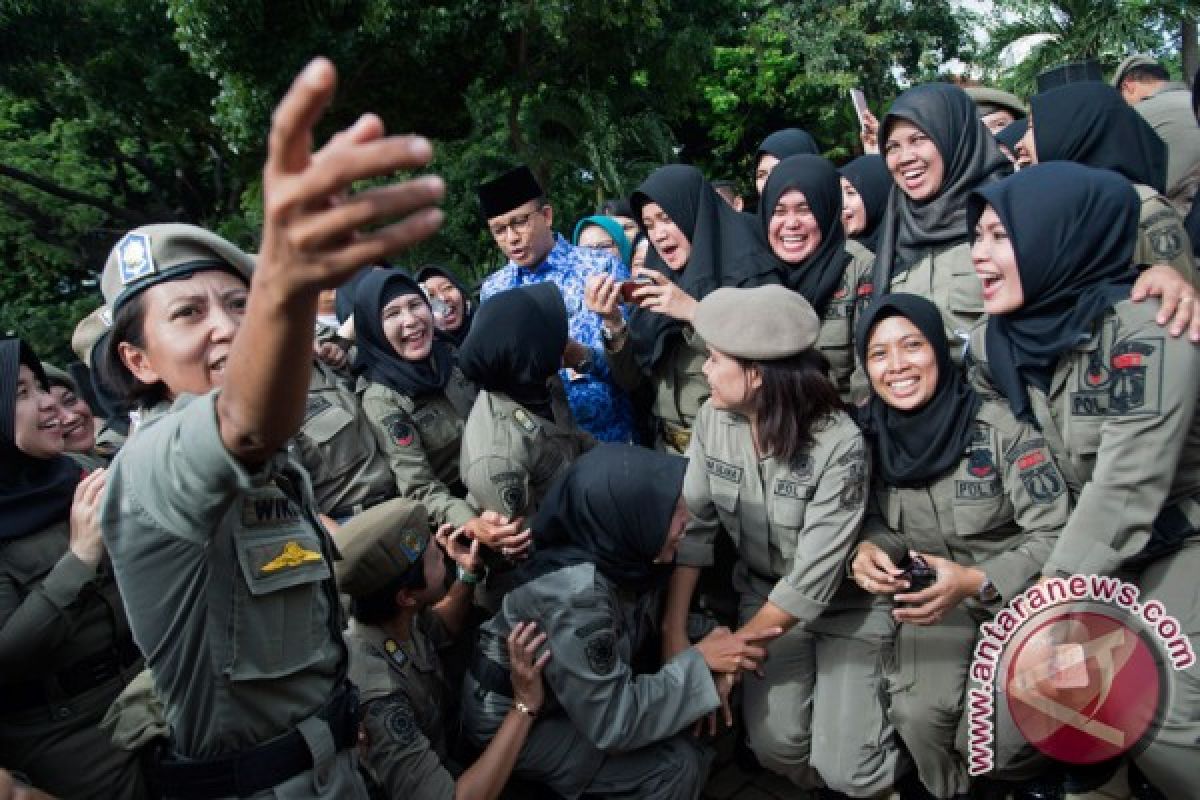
x: 907, y: 383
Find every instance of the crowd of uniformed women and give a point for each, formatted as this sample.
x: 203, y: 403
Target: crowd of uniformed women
x: 301, y: 523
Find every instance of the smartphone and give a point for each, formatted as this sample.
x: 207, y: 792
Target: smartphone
x: 631, y: 286
x: 860, y: 106
x: 918, y: 573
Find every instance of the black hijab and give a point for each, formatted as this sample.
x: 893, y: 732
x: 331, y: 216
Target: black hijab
x: 971, y: 159
x: 375, y: 357
x: 915, y: 447
x: 517, y: 343
x: 1091, y: 124
x: 819, y: 275
x: 1013, y: 133
x: 870, y: 178
x: 787, y: 142
x: 1073, y: 231
x: 343, y: 298
x: 612, y: 508
x: 726, y: 250
x: 468, y: 310
x: 34, y: 492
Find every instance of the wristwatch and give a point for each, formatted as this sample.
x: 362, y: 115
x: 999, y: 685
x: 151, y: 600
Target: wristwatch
x: 469, y: 578
x: 612, y: 336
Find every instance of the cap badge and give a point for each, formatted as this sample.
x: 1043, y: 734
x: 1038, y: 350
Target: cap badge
x: 135, y: 258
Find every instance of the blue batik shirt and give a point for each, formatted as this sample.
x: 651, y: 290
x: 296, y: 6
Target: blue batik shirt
x: 600, y: 407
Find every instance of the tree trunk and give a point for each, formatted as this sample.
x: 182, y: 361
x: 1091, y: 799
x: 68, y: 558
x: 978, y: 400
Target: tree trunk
x: 1191, y: 53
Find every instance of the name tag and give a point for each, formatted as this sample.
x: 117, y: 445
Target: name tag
x: 719, y: 469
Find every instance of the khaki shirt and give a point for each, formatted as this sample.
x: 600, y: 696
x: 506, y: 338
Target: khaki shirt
x: 510, y: 455
x: 1001, y: 509
x: 335, y: 444
x: 403, y: 691
x: 227, y: 578
x: 1162, y: 238
x: 421, y: 438
x: 794, y: 525
x: 679, y: 384
x: 836, y: 337
x: 1169, y: 112
x: 593, y: 630
x: 947, y: 278
x: 1120, y: 420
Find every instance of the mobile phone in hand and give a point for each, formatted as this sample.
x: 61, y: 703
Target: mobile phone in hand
x: 631, y: 286
x: 860, y: 106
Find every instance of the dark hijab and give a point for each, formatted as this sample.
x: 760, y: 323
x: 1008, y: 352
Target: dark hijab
x: 34, y: 492
x: 787, y: 142
x: 870, y: 177
x: 819, y: 275
x: 915, y: 447
x: 971, y: 159
x: 1073, y: 231
x: 456, y: 337
x: 1091, y: 124
x: 726, y: 250
x: 1013, y: 133
x: 516, y: 345
x: 612, y: 508
x: 343, y: 298
x: 375, y: 357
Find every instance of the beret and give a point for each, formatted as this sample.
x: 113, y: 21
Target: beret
x: 762, y: 323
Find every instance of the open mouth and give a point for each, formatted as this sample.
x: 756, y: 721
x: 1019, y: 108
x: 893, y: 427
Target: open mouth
x: 50, y: 425
x: 904, y: 387
x: 913, y: 177
x: 218, y: 365
x: 992, y: 283
x: 794, y: 242
x: 72, y: 429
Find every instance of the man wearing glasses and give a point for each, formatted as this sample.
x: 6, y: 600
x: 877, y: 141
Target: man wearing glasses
x: 521, y: 223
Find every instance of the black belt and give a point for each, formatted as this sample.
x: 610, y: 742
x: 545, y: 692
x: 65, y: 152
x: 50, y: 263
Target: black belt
x: 248, y: 772
x: 491, y: 676
x: 80, y: 677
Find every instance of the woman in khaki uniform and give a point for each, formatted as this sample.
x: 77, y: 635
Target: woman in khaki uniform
x: 416, y: 400
x: 778, y: 464
x: 801, y: 218
x: 1114, y: 395
x: 1091, y: 124
x: 699, y: 244
x: 65, y: 647
x: 975, y: 493
x: 225, y: 570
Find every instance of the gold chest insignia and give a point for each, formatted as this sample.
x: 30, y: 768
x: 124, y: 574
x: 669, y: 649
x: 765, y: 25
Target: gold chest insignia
x: 293, y: 555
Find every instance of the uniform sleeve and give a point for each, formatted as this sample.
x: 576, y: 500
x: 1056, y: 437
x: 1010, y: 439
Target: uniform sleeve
x: 614, y: 708
x: 399, y: 755
x: 832, y: 522
x: 400, y: 443
x: 696, y: 549
x: 878, y: 532
x: 1042, y: 505
x: 33, y: 625
x: 499, y: 483
x: 1150, y: 406
x: 1162, y: 239
x: 194, y: 476
x: 622, y: 365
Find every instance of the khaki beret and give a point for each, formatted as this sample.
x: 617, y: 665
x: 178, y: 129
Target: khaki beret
x: 380, y: 545
x: 88, y: 333
x: 1135, y: 60
x: 152, y: 254
x: 764, y: 323
x: 990, y: 100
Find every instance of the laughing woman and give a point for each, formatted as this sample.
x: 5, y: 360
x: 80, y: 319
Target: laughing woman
x: 964, y: 485
x: 866, y: 184
x: 225, y: 570
x: 698, y: 244
x: 801, y: 218
x: 65, y: 647
x: 1114, y: 396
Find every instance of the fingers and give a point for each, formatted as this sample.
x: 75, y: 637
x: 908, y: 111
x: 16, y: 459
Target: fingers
x: 290, y: 141
x: 89, y: 490
x: 763, y: 635
x: 319, y: 229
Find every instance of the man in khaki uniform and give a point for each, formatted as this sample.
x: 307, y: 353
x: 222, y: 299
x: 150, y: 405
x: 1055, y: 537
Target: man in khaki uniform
x: 402, y: 616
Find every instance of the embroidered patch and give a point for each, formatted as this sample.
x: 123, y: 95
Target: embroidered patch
x: 1088, y: 404
x: 395, y: 652
x: 399, y: 430
x: 135, y: 258
x: 803, y: 469
x: 1166, y: 242
x: 976, y: 490
x: 292, y: 555
x: 798, y: 491
x: 1131, y: 391
x: 1040, y: 477
x: 314, y: 405
x: 980, y: 463
x: 601, y: 652
x: 719, y: 469
x: 511, y: 490
x: 268, y: 510
x: 854, y: 491
x: 399, y: 722
x: 1097, y: 375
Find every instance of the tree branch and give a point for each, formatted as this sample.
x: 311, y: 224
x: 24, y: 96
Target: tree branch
x: 71, y: 195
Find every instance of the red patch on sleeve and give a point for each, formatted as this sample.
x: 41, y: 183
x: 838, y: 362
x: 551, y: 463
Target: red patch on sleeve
x: 1031, y: 460
x: 1127, y: 360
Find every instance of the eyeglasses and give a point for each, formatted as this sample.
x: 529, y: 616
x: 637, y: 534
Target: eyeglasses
x: 517, y: 225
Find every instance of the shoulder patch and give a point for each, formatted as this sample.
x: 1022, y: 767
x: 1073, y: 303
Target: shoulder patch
x: 980, y: 463
x: 719, y: 469
x: 854, y: 491
x: 1166, y: 242
x: 511, y: 491
x: 1040, y: 476
x: 397, y: 720
x: 399, y: 429
x: 601, y: 652
x: 1135, y: 388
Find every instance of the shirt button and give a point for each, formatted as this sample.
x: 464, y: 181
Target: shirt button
x: 62, y: 712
